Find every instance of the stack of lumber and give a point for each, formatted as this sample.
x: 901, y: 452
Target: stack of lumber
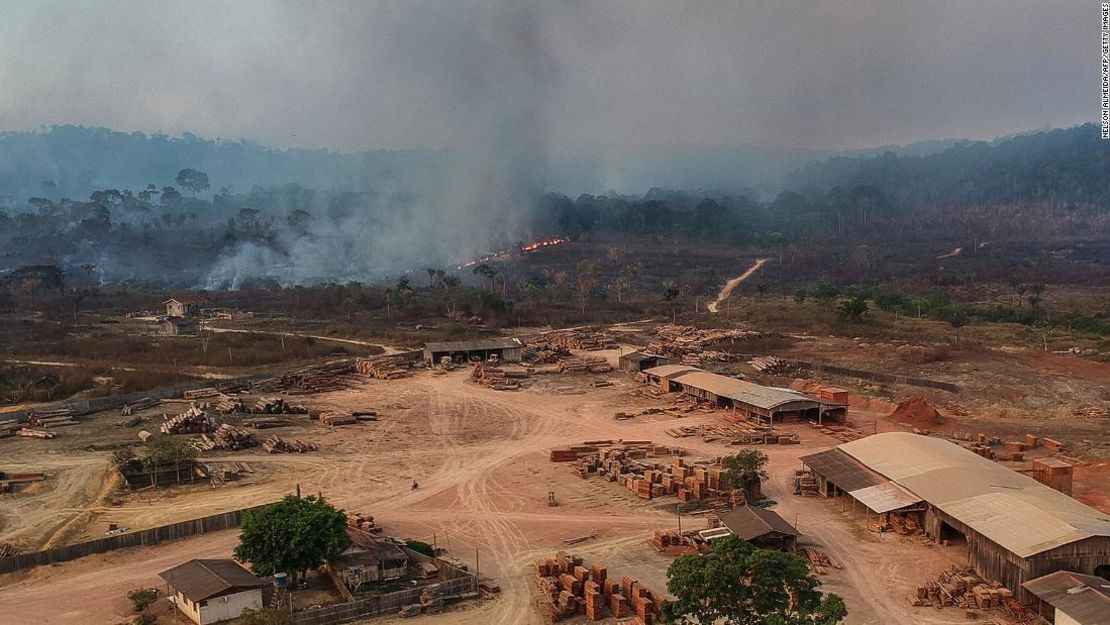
x: 275, y: 445
x: 585, y: 364
x: 136, y: 406
x: 498, y: 378
x: 192, y: 421
x: 570, y: 454
x: 382, y: 368
x: 336, y: 418
x: 675, y: 544
x: 200, y: 393
x: 7, y: 550
x: 29, y: 433
x: 580, y: 339
x: 541, y: 351
x: 1092, y: 412
x: 819, y: 560
x: 276, y: 405
x: 769, y: 364
x: 8, y: 427
x: 52, y: 418
x: 225, y: 404
x: 806, y: 483
x: 231, y: 387
x: 363, y: 522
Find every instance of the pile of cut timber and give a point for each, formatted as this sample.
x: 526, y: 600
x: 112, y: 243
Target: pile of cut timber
x: 585, y: 364
x: 261, y: 423
x: 200, y: 393
x: 276, y: 405
x: 1092, y: 412
x: 498, y: 378
x: 8, y: 427
x: 541, y: 351
x: 819, y: 560
x: 570, y: 588
x: 192, y: 421
x: 675, y: 544
x: 8, y: 550
x: 228, y: 437
x: 317, y: 378
x: 769, y: 364
x: 29, y: 433
x: 52, y: 418
x: 136, y: 406
x: 961, y: 588
x: 275, y: 445
x: 382, y: 368
x: 337, y: 418
x: 363, y: 522
x: 578, y: 339
x: 680, y: 340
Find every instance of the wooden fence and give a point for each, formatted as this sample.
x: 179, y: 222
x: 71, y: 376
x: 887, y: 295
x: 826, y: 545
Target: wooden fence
x: 385, y: 604
x: 152, y: 536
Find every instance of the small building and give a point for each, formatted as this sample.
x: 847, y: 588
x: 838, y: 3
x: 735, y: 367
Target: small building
x: 210, y: 591
x: 179, y: 326
x: 763, y: 404
x: 761, y: 527
x: 367, y: 560
x: 185, y: 306
x: 1067, y: 598
x: 636, y: 362
x: 505, y: 349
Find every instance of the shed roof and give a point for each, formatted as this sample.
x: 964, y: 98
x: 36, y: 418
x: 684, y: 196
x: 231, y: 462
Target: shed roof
x: 843, y: 470
x: 1085, y: 598
x: 187, y: 299
x: 749, y: 522
x: 638, y: 356
x: 885, y: 497
x: 766, y: 397
x: 1008, y: 508
x: 473, y: 345
x: 669, y: 372
x: 198, y: 580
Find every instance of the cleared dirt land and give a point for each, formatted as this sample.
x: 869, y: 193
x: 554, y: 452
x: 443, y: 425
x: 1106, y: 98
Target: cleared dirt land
x: 480, y: 457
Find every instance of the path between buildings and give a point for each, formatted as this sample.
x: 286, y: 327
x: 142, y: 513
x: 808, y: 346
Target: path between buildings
x: 388, y: 349
x: 726, y: 290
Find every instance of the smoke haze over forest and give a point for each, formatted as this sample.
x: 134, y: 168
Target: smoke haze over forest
x: 444, y: 123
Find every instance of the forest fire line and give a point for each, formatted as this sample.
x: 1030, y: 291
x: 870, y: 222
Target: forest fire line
x: 524, y: 248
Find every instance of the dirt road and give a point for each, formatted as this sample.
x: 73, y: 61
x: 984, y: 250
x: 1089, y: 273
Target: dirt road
x: 726, y: 290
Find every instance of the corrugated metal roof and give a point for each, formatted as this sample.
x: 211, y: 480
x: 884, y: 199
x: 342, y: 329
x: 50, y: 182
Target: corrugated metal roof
x: 473, y: 345
x: 885, y: 497
x: 749, y: 522
x: 669, y: 371
x: 202, y: 579
x: 843, y: 470
x: 1011, y: 509
x: 1085, y: 598
x: 766, y: 397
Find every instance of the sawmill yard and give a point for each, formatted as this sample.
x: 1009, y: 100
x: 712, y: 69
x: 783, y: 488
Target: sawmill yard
x: 482, y: 458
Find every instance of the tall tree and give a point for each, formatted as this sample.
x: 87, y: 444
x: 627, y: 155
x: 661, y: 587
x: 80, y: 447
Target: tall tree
x: 746, y: 470
x: 193, y: 180
x: 292, y: 536
x: 738, y: 584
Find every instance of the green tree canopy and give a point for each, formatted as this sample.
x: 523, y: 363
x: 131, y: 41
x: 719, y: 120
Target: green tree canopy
x: 193, y: 180
x: 292, y: 536
x: 745, y: 469
x: 739, y: 584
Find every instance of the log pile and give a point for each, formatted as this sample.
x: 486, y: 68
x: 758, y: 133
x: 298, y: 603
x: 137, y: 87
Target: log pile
x: 772, y: 365
x: 52, y: 418
x: 317, y: 378
x: 192, y: 421
x: 679, y: 340
x: 227, y: 437
x: 337, y: 418
x: 200, y: 393
x: 276, y: 405
x: 8, y: 550
x: 382, y: 368
x: 498, y: 378
x: 1092, y: 412
x: 8, y: 427
x: 262, y: 423
x: 585, y: 364
x: 731, y: 433
x: 276, y: 445
x: 580, y: 339
x: 541, y: 351
x: 673, y: 543
x: 29, y: 433
x: 819, y: 560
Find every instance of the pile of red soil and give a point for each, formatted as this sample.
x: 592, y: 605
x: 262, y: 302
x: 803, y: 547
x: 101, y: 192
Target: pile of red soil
x: 918, y: 412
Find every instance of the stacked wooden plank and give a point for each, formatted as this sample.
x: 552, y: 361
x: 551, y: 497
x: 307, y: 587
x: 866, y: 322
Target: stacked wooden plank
x: 192, y: 421
x: 276, y: 405
x: 200, y: 393
x: 276, y: 445
x: 682, y: 340
x: 363, y: 522
x: 571, y: 588
x: 382, y: 368
x: 1092, y: 412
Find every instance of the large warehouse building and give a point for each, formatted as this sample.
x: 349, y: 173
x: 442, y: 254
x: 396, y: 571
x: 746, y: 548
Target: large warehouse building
x: 765, y: 404
x: 505, y: 349
x: 1015, y: 528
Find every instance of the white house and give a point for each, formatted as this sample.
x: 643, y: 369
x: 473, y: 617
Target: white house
x: 210, y: 591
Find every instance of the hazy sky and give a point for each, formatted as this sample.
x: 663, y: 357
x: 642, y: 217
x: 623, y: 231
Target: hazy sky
x: 366, y: 74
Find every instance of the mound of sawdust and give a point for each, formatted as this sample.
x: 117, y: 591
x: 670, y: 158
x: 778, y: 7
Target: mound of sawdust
x: 918, y: 412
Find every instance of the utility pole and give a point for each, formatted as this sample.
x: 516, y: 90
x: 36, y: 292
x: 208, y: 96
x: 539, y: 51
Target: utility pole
x: 678, y: 509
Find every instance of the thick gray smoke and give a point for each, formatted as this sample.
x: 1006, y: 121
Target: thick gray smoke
x: 487, y: 64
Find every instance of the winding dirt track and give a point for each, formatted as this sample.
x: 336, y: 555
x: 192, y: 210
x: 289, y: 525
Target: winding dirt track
x: 726, y: 290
